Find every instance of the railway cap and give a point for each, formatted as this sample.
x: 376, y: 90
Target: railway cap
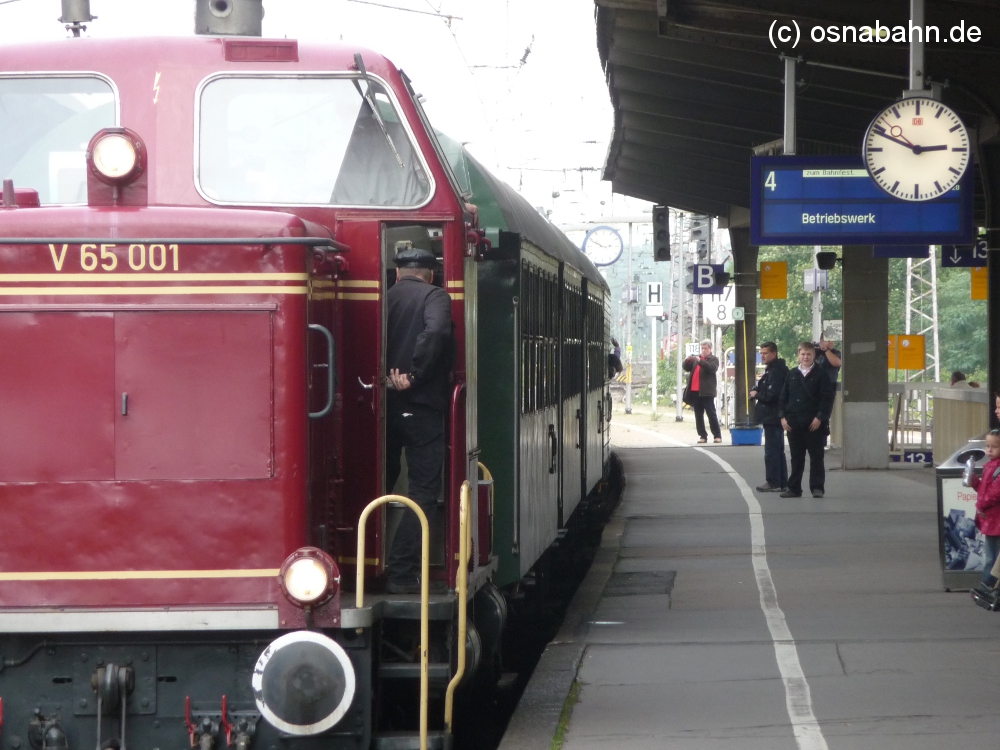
x: 415, y: 257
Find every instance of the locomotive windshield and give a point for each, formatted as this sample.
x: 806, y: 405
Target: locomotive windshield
x: 45, y: 125
x: 306, y: 141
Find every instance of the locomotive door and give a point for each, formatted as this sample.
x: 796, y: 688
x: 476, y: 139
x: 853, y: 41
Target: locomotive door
x: 360, y: 363
x: 395, y: 238
x: 325, y: 398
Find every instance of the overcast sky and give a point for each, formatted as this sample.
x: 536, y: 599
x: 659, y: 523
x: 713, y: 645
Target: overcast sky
x: 519, y: 81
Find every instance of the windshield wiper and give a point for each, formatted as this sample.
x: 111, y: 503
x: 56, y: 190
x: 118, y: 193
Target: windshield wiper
x: 367, y: 96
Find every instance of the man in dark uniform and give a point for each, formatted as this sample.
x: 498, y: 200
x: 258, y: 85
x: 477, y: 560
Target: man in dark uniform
x: 804, y: 407
x: 767, y: 392
x: 419, y: 355
x: 828, y: 358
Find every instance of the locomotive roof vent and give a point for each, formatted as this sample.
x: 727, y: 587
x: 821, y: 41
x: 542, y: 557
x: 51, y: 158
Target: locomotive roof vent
x: 228, y: 17
x: 76, y: 15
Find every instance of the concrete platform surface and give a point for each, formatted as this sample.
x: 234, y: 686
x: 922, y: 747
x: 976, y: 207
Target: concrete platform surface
x: 852, y: 644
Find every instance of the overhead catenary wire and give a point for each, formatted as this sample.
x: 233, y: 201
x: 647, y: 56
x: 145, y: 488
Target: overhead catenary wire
x: 448, y: 18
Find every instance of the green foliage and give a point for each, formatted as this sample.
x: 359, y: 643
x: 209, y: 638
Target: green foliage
x: 961, y: 321
x: 786, y: 322
x: 564, y: 717
x: 962, y: 325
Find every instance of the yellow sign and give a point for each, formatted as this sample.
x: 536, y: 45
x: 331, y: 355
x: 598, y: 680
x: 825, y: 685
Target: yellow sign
x: 774, y: 279
x: 907, y: 352
x: 980, y: 283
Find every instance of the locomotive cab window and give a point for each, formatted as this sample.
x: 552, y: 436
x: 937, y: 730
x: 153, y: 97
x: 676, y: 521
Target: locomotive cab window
x: 45, y: 125
x: 396, y: 238
x: 307, y: 141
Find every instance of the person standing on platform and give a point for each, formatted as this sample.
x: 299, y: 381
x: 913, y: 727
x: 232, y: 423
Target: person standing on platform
x: 987, y: 488
x: 804, y: 408
x: 701, y: 389
x: 828, y: 359
x: 419, y: 357
x: 767, y: 392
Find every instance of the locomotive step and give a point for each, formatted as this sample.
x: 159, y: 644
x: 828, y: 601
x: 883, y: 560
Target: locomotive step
x: 405, y: 670
x: 407, y: 606
x: 410, y: 741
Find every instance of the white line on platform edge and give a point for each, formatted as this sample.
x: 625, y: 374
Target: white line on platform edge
x: 798, y: 699
x: 671, y: 443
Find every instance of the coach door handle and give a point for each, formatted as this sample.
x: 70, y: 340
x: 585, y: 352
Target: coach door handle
x: 370, y: 387
x: 555, y: 448
x: 329, y: 371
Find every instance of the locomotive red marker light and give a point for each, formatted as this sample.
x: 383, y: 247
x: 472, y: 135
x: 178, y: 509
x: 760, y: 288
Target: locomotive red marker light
x: 116, y: 156
x: 309, y: 576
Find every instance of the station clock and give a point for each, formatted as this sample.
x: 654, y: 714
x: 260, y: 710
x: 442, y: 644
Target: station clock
x: 917, y: 149
x: 603, y: 245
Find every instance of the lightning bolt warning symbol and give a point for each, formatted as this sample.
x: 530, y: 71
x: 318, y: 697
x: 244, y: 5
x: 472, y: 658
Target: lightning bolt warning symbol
x: 156, y: 87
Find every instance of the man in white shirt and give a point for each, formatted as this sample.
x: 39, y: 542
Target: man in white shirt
x: 804, y: 407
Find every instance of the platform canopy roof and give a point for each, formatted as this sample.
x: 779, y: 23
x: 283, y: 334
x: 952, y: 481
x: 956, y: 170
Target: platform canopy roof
x: 697, y: 85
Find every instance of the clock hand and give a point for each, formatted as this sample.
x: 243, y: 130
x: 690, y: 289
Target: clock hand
x: 896, y: 140
x: 921, y: 149
x: 897, y: 132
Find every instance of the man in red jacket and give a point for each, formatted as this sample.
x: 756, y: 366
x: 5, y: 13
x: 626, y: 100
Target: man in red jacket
x: 701, y: 389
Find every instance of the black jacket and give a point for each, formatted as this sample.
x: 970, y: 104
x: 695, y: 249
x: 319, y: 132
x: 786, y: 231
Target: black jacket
x: 833, y: 371
x: 419, y: 342
x: 769, y: 391
x: 707, y: 384
x: 805, y: 397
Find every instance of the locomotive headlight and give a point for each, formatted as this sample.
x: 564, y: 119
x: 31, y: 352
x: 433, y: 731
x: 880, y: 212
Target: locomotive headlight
x: 309, y: 576
x: 114, y: 156
x: 306, y: 580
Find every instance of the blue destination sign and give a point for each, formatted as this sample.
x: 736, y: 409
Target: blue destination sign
x: 831, y: 200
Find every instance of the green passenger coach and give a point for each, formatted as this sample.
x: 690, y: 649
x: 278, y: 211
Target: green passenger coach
x: 544, y: 404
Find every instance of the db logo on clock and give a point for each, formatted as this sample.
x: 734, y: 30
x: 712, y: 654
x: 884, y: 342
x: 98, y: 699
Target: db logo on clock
x: 918, y: 120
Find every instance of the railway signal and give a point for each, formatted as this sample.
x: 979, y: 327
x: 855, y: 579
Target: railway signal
x: 661, y: 233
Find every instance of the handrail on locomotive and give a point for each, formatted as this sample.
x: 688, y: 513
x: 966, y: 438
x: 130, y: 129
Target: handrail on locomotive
x: 461, y: 590
x: 424, y: 590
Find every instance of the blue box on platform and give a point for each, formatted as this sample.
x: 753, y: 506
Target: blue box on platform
x: 746, y: 435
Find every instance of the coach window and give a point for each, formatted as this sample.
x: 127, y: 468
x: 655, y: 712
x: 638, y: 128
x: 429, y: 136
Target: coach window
x: 45, y: 125
x: 315, y: 141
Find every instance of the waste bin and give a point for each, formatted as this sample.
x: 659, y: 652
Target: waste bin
x: 960, y: 543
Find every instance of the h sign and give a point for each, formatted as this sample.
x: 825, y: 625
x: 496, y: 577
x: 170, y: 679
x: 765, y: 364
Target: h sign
x: 654, y: 293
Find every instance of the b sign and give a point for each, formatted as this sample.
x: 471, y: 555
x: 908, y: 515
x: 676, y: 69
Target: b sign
x: 704, y: 279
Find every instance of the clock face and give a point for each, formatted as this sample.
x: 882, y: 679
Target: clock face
x: 917, y: 149
x: 603, y: 245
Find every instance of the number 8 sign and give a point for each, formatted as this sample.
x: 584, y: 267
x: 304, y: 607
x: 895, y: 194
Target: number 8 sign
x: 718, y: 308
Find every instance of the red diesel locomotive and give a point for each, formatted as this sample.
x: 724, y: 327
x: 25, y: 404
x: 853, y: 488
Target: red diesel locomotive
x: 195, y: 241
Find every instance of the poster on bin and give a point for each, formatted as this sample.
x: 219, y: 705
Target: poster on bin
x: 963, y: 543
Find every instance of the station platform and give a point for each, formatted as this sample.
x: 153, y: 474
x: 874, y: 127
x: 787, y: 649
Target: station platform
x: 715, y: 616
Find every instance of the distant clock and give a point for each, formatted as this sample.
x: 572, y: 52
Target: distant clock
x: 917, y: 149
x: 603, y: 245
